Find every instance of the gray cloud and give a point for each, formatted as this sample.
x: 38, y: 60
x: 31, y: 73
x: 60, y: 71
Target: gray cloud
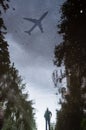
x: 38, y: 45
x: 33, y: 54
x: 17, y: 25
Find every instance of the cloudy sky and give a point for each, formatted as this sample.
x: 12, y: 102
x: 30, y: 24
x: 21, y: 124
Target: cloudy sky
x: 33, y: 55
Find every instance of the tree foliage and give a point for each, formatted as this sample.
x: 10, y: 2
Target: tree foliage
x: 18, y: 109
x: 72, y: 53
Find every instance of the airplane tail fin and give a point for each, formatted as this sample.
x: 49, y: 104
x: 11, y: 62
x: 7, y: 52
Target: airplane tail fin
x: 28, y: 32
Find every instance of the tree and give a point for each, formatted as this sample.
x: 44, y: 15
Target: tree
x: 18, y: 113
x: 83, y: 124
x: 72, y: 52
x: 4, y: 54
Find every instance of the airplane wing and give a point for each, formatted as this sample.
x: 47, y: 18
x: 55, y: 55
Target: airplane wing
x: 41, y: 28
x: 43, y: 15
x: 29, y: 32
x: 30, y: 19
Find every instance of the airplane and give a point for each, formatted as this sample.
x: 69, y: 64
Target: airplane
x: 37, y: 22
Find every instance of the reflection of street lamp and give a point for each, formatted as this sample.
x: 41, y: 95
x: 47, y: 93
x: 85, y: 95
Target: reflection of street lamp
x: 1, y: 118
x: 53, y: 126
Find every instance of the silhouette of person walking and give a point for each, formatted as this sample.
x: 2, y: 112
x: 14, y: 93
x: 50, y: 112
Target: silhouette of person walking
x: 47, y: 117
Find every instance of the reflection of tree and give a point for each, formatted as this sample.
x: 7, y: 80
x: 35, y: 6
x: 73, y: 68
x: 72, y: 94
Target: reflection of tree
x: 72, y: 53
x: 4, y: 59
x: 18, y: 111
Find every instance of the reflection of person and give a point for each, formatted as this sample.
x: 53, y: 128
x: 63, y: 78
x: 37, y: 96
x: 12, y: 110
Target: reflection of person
x: 47, y: 116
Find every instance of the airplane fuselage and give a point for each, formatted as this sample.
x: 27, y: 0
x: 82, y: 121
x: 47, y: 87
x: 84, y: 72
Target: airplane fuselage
x: 37, y: 22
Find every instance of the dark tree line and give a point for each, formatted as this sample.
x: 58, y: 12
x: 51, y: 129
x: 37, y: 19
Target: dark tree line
x: 18, y: 110
x: 71, y: 53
